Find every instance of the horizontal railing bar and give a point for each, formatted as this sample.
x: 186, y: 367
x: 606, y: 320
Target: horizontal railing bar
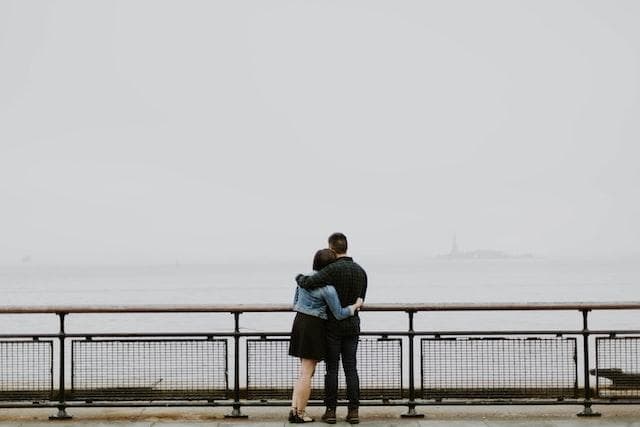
x: 283, y: 403
x: 441, y: 333
x: 29, y: 336
x: 151, y: 335
x: 268, y: 308
x: 205, y: 335
x: 497, y: 402
x: 493, y: 333
x: 126, y: 334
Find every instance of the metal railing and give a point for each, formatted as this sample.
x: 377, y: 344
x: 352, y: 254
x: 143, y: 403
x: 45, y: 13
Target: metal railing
x: 186, y: 368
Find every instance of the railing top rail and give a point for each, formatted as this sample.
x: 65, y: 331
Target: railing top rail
x: 265, y: 308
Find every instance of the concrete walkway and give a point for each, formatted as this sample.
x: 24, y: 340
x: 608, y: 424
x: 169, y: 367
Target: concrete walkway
x: 499, y: 416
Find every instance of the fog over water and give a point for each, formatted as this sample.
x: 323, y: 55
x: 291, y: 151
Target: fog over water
x: 197, y: 132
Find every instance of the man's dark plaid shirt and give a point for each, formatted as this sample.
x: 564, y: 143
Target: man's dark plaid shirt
x: 350, y: 281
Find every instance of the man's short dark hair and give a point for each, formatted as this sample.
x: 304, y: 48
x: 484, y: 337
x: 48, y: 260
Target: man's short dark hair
x: 338, y: 243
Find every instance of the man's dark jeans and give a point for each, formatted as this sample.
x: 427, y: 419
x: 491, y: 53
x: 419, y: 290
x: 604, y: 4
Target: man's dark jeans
x: 345, y: 346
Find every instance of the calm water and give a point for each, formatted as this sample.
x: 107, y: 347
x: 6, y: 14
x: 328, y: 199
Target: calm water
x: 428, y: 281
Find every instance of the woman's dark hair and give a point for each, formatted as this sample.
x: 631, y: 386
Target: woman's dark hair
x: 323, y: 258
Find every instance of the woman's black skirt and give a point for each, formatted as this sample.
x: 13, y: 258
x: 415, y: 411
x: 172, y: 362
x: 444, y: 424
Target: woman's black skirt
x: 308, y: 337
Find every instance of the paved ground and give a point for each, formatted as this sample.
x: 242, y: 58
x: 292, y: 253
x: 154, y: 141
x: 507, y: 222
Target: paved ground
x: 498, y: 416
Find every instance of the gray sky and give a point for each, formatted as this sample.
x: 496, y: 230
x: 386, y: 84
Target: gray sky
x: 150, y: 131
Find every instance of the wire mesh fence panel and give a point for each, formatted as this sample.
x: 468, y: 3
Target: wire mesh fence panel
x: 380, y: 368
x: 149, y: 369
x: 618, y: 367
x: 26, y: 370
x: 498, y: 368
x: 271, y: 372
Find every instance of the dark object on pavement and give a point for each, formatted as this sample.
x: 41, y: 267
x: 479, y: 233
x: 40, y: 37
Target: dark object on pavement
x: 620, y: 379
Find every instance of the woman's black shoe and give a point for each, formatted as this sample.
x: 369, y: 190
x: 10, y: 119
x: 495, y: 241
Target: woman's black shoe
x: 300, y: 419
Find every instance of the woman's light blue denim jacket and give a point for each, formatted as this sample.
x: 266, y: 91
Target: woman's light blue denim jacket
x: 314, y: 302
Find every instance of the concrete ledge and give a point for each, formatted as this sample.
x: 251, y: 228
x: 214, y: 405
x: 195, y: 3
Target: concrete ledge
x: 564, y: 416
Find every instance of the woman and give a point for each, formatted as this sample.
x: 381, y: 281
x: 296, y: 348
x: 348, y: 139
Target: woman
x: 308, y: 334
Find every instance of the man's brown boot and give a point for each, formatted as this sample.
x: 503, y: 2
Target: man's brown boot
x: 329, y: 416
x: 352, y: 416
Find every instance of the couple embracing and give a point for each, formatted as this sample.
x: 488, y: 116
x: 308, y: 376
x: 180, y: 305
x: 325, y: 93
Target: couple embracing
x: 326, y: 327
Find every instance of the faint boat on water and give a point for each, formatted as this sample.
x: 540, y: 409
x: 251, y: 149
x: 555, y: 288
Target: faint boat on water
x: 456, y: 254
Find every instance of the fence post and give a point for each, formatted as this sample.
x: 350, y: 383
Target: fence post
x: 411, y: 413
x: 62, y: 412
x: 587, y: 411
x: 235, y: 413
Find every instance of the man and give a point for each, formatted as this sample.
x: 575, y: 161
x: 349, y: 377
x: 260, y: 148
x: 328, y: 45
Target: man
x: 350, y: 281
